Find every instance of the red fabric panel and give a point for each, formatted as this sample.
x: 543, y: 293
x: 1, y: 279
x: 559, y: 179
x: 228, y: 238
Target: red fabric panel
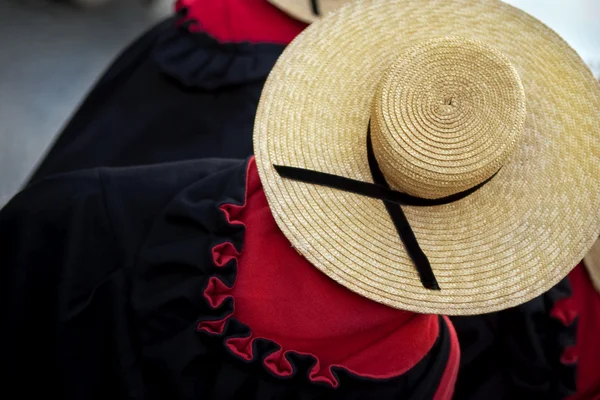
x: 283, y: 298
x: 446, y: 388
x: 253, y: 21
x: 223, y: 253
x: 586, y: 302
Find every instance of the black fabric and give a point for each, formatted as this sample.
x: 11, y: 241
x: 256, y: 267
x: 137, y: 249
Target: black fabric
x: 516, y: 353
x: 378, y: 190
x: 402, y: 225
x: 102, y: 279
x: 197, y: 61
x: 315, y: 7
x: 172, y: 95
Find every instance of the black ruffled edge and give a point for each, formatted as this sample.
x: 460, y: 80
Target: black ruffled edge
x: 238, y: 338
x: 196, y: 60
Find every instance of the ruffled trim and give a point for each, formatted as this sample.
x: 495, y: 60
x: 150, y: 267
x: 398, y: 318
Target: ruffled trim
x: 237, y: 337
x: 196, y: 60
x: 565, y: 312
x: 240, y: 341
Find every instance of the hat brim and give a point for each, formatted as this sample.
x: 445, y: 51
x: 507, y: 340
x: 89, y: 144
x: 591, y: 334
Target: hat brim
x: 506, y: 243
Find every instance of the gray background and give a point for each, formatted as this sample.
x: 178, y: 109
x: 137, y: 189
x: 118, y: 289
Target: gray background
x: 50, y: 55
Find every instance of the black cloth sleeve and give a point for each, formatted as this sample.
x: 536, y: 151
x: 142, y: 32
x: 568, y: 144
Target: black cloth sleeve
x: 62, y: 290
x: 68, y: 246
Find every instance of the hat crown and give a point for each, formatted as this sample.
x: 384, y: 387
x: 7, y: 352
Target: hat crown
x: 446, y: 116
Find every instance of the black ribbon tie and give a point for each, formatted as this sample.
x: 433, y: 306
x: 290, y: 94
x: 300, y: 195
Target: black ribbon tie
x: 315, y: 7
x: 392, y: 199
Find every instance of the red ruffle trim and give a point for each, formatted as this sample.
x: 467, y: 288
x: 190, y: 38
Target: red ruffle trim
x: 380, y: 350
x: 565, y: 312
x: 236, y: 21
x: 217, y: 292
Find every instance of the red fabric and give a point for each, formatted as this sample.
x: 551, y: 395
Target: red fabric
x: 446, y: 388
x: 283, y: 298
x: 586, y: 303
x: 241, y: 20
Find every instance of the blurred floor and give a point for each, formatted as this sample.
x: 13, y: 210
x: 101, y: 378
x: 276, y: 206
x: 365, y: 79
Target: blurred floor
x: 50, y: 55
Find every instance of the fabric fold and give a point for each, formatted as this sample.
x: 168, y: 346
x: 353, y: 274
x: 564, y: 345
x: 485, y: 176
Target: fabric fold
x: 196, y: 60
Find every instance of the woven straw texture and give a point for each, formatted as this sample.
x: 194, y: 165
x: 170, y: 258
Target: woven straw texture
x: 446, y: 116
x: 592, y: 263
x: 302, y: 9
x: 508, y: 242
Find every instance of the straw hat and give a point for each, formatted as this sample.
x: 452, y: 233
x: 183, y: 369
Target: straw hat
x: 308, y: 10
x: 480, y: 121
x: 592, y: 263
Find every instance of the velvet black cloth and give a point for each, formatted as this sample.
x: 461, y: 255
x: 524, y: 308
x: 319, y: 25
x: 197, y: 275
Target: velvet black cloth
x: 102, y: 282
x: 517, y: 353
x: 171, y: 95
